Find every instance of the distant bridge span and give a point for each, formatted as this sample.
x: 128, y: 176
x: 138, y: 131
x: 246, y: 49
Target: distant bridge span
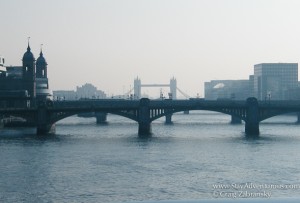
x: 145, y: 111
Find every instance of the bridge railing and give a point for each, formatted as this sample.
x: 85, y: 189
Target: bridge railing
x: 105, y: 103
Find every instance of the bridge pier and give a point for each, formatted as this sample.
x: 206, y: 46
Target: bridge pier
x: 144, y: 118
x: 235, y: 120
x: 186, y: 112
x: 101, y: 117
x: 298, y: 118
x: 169, y: 119
x: 145, y: 130
x: 252, y: 118
x: 43, y: 124
x: 45, y: 129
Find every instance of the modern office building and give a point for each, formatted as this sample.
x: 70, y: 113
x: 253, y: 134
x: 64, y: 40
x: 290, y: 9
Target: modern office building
x: 275, y: 80
x: 251, y: 86
x: 227, y: 89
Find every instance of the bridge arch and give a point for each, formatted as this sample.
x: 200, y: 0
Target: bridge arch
x: 239, y: 113
x: 266, y: 115
x: 145, y: 111
x: 132, y: 115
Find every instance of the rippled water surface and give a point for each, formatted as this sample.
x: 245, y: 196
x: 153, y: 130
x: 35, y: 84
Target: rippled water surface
x: 201, y: 156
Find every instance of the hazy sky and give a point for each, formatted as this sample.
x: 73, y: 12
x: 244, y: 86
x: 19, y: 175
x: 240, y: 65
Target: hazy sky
x: 110, y: 42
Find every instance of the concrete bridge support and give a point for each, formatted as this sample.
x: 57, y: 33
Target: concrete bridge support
x: 1, y: 123
x: 235, y: 120
x: 298, y: 118
x: 101, y: 117
x: 252, y: 118
x: 168, y: 116
x: 186, y: 112
x: 43, y: 125
x: 169, y: 119
x: 144, y: 118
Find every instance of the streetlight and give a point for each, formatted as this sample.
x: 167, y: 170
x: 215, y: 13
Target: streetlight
x: 269, y: 96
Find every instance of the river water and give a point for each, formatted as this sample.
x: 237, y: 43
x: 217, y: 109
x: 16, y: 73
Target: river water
x: 201, y: 156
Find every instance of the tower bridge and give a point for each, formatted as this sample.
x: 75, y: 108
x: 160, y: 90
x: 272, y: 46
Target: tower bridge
x: 137, y: 88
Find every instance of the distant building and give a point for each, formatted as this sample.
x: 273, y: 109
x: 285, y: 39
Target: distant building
x: 293, y: 94
x: 227, y: 89
x: 64, y: 95
x: 86, y: 91
x: 275, y: 80
x: 251, y: 86
x: 2, y: 61
x: 89, y: 91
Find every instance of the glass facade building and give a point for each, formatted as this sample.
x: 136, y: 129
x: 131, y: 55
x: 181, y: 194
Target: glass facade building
x: 274, y: 80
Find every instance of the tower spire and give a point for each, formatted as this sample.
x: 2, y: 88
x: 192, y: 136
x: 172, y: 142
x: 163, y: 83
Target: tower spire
x: 41, y: 53
x: 28, y: 48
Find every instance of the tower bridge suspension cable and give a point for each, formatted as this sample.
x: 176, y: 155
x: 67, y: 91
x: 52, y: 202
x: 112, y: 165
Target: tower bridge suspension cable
x: 129, y: 92
x: 184, y: 94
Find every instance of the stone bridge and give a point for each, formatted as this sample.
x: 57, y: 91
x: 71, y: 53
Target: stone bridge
x: 144, y: 111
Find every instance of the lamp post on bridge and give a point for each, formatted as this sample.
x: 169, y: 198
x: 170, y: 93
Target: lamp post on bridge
x: 269, y: 96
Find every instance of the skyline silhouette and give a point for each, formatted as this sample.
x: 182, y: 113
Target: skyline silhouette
x: 109, y: 43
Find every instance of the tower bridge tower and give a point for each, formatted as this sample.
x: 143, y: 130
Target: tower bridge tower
x: 173, y: 88
x: 137, y: 88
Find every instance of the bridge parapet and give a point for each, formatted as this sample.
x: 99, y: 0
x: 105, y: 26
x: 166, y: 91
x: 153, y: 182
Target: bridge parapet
x: 99, y: 104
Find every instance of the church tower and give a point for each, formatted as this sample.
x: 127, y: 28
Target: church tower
x: 42, y: 86
x: 29, y: 82
x: 41, y: 66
